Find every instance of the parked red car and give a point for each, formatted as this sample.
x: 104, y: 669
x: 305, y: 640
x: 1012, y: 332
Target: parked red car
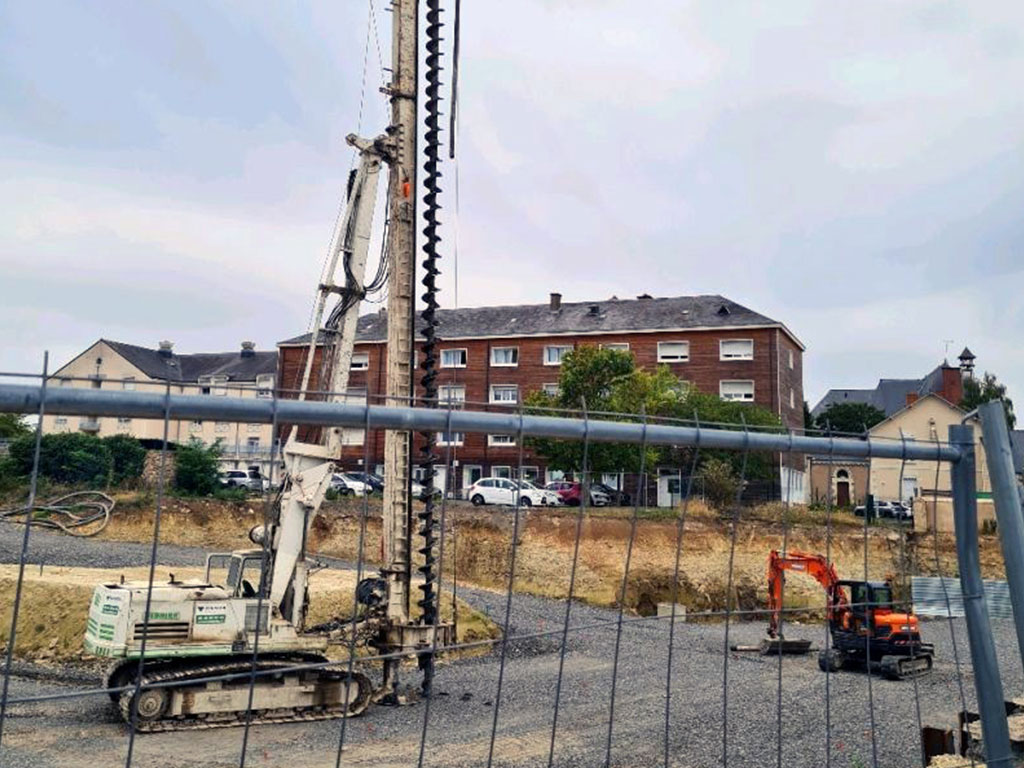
x: 570, y: 494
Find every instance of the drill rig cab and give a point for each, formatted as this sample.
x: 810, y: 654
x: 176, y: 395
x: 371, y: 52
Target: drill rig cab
x: 865, y: 627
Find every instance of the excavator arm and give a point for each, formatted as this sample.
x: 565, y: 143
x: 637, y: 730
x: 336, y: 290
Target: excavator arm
x: 816, y: 566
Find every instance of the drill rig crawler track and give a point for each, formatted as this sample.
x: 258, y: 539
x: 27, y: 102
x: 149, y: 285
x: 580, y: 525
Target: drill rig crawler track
x: 178, y: 696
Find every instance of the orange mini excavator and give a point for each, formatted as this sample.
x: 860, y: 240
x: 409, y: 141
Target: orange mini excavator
x: 866, y: 631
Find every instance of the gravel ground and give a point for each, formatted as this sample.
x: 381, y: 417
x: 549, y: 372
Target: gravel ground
x: 460, y: 722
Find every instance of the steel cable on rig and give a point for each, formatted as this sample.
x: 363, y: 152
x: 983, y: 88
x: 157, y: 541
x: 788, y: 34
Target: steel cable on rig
x: 432, y: 173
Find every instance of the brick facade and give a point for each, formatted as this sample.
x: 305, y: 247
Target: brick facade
x: 776, y: 371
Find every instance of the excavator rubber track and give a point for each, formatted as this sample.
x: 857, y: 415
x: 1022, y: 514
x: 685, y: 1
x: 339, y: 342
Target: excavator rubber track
x: 904, y: 667
x: 173, y: 688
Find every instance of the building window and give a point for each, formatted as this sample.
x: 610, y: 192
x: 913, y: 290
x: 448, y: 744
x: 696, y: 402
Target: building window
x: 128, y: 384
x: 792, y: 398
x: 504, y: 393
x: 452, y: 395
x: 501, y: 440
x: 453, y: 358
x: 213, y: 385
x: 551, y: 389
x: 506, y: 357
x: 457, y: 438
x: 530, y: 474
x: 265, y: 386
x: 736, y: 391
x: 553, y: 354
x: 617, y: 346
x: 673, y: 351
x: 505, y: 472
x: 60, y: 421
x: 124, y: 423
x: 736, y: 349
x: 360, y: 361
x: 221, y: 427
x: 196, y: 426
x: 254, y: 428
x: 790, y: 355
x: 252, y: 445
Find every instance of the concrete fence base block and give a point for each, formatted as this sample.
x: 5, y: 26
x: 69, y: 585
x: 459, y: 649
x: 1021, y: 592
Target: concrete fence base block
x: 665, y: 609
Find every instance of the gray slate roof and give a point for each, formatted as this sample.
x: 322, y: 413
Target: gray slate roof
x: 611, y: 316
x: 889, y: 395
x: 188, y: 368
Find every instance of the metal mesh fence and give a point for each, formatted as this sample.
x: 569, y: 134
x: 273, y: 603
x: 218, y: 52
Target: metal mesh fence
x: 612, y: 612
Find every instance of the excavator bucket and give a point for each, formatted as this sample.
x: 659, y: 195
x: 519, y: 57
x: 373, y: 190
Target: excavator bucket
x: 780, y: 646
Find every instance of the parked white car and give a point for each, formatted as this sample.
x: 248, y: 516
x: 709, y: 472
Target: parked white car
x: 347, y: 485
x: 500, y: 490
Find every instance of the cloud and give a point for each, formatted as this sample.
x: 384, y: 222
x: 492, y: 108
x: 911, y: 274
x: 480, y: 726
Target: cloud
x: 851, y: 170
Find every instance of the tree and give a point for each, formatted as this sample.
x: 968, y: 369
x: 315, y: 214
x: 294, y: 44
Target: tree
x: 128, y: 455
x: 849, y: 417
x: 720, y: 483
x: 13, y: 426
x: 808, y: 419
x: 609, y: 382
x: 196, y: 469
x: 979, y: 392
x: 73, y: 458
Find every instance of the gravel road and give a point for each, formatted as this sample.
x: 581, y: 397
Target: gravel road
x: 40, y: 734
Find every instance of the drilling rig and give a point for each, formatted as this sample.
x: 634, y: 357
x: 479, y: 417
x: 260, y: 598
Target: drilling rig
x: 234, y: 648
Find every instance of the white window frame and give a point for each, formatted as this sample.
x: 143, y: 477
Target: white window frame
x: 265, y: 386
x: 791, y: 356
x: 504, y: 388
x: 723, y: 357
x: 60, y: 421
x: 551, y: 389
x: 515, y: 357
x: 680, y: 358
x: 618, y: 346
x: 128, y: 384
x: 445, y: 399
x: 566, y: 348
x: 218, y: 385
x: 493, y: 442
x: 459, y: 438
x: 360, y: 361
x: 252, y: 444
x: 535, y: 470
x: 792, y: 398
x: 744, y: 399
x: 465, y: 357
x: 499, y: 468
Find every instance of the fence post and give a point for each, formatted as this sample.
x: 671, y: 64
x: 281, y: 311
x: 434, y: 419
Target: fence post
x: 1007, y: 501
x: 987, y: 684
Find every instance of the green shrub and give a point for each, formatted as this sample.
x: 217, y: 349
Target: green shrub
x: 72, y: 458
x: 129, y: 458
x: 331, y: 495
x: 720, y: 483
x: 197, y: 467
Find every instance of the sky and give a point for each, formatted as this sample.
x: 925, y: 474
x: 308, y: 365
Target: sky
x: 853, y: 170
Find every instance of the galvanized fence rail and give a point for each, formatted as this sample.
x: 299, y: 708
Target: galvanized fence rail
x: 565, y: 719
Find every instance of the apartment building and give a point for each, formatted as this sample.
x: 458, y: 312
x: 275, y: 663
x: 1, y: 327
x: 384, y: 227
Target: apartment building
x: 114, y: 365
x: 492, y: 357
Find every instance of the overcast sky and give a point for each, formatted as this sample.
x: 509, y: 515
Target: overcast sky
x: 853, y: 170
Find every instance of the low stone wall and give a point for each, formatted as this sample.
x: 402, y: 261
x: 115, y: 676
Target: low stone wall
x: 151, y: 468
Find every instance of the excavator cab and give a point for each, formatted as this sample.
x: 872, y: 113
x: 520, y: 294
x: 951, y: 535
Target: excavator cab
x: 240, y: 573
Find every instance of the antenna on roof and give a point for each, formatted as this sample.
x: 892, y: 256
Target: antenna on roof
x: 945, y: 352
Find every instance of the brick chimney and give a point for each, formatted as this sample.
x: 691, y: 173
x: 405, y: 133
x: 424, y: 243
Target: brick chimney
x: 952, y: 384
x: 166, y: 349
x: 556, y: 302
x: 912, y: 397
x: 248, y: 349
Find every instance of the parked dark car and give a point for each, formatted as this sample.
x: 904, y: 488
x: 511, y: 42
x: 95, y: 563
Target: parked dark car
x: 374, y: 481
x: 616, y: 498
x: 571, y: 492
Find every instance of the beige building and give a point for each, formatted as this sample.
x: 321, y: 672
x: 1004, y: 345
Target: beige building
x: 113, y: 365
x: 926, y: 483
